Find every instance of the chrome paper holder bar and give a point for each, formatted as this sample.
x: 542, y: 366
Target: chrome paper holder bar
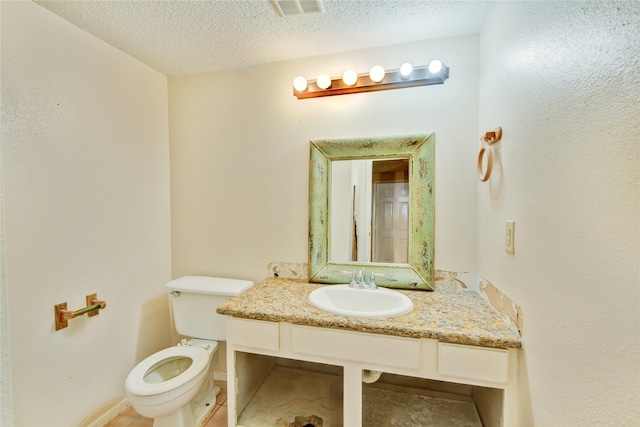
x: 62, y: 315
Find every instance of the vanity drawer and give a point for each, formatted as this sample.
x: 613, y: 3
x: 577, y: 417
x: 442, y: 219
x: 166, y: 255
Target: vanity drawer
x: 253, y: 333
x: 356, y: 346
x: 477, y: 363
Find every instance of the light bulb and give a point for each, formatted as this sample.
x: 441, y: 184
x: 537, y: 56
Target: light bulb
x: 300, y: 84
x: 435, y: 66
x: 376, y: 73
x: 350, y: 77
x: 405, y: 70
x: 323, y: 81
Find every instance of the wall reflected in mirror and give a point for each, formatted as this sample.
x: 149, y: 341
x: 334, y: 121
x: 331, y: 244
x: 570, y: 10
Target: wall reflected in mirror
x: 369, y: 207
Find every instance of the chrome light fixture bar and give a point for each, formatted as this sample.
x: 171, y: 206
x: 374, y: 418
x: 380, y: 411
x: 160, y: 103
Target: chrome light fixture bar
x: 407, y: 76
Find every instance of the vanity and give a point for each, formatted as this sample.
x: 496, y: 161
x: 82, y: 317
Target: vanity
x: 450, y: 336
x: 449, y: 361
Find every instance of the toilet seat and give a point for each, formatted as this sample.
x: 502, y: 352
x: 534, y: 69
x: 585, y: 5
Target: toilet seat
x: 135, y: 383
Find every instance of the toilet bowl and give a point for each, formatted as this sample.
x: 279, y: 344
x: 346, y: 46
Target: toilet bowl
x: 167, y: 380
x: 175, y: 386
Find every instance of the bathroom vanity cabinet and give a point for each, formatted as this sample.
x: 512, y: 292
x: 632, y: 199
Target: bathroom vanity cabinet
x: 274, y: 320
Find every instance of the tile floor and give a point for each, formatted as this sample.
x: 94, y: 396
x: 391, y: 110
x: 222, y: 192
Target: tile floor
x: 218, y: 417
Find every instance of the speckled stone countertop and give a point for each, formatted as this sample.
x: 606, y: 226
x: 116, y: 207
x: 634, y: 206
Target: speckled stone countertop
x: 462, y: 317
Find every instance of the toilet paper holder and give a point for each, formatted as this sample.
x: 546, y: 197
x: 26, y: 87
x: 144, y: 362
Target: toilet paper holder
x: 62, y: 315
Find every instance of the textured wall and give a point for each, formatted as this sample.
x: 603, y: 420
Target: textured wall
x: 240, y: 154
x: 86, y: 209
x: 563, y: 80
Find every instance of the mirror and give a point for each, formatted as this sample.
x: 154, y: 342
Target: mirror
x: 369, y: 217
x: 356, y: 185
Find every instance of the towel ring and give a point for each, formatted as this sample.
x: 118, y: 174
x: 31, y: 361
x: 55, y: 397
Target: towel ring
x: 484, y: 175
x: 488, y: 140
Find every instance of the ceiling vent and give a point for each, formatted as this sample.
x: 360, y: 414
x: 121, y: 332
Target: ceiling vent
x: 287, y: 8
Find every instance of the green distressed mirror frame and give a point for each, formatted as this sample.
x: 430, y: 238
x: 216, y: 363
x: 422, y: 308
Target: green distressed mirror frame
x: 420, y: 150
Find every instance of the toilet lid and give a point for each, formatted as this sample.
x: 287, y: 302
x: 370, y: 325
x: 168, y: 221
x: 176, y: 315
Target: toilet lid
x: 166, y: 370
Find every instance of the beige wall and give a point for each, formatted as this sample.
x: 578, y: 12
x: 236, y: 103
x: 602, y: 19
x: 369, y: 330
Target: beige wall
x: 563, y: 80
x: 240, y: 150
x: 240, y: 155
x: 86, y: 209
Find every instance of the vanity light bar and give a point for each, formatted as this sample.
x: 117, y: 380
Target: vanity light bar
x: 433, y: 74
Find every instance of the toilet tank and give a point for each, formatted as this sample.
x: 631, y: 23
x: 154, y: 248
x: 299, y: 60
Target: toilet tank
x: 194, y: 300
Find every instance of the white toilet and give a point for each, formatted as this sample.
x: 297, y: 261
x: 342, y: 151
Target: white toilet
x: 175, y: 386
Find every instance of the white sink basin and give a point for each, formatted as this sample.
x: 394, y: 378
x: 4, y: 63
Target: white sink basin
x: 346, y: 301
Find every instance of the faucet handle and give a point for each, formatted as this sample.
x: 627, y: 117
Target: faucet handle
x: 354, y: 281
x: 372, y: 282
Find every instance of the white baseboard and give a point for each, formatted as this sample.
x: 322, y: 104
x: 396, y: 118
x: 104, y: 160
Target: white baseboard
x: 109, y: 415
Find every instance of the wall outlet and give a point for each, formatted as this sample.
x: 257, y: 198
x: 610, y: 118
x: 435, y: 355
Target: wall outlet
x: 509, y: 236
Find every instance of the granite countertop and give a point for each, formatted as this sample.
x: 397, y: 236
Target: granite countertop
x: 454, y: 316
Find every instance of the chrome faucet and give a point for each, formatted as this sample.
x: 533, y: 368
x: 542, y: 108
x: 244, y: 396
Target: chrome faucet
x: 360, y: 281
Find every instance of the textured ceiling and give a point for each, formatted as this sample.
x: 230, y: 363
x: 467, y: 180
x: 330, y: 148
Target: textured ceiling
x: 182, y: 37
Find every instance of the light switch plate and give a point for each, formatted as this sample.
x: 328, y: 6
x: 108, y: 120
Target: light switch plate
x: 509, y: 236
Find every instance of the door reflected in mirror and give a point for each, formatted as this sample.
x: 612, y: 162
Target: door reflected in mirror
x: 370, y: 210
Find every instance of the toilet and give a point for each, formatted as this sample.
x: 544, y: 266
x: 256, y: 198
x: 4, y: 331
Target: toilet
x: 175, y: 386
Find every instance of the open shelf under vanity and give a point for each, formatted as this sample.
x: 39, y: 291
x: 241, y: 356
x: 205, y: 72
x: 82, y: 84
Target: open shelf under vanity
x: 295, y: 394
